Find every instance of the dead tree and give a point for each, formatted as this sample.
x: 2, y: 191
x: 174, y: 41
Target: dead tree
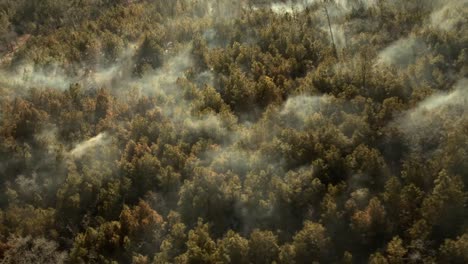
x: 335, y: 53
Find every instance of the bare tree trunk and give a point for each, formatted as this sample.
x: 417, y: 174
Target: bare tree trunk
x: 331, y: 32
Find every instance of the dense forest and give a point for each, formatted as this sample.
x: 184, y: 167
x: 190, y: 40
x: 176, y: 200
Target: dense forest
x: 217, y: 131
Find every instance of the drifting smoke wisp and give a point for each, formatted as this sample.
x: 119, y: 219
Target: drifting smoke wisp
x: 291, y: 7
x: 163, y: 83
x: 206, y: 124
x: 445, y: 16
x: 457, y: 97
x: 402, y: 52
x: 163, y: 79
x: 56, y: 76
x: 98, y: 141
x: 301, y: 105
x: 450, y: 14
x: 435, y: 116
x: 27, y: 76
x: 337, y: 8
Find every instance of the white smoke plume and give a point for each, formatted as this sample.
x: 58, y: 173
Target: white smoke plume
x: 290, y: 7
x: 402, y: 52
x: 26, y: 76
x: 434, y: 117
x: 337, y: 8
x: 206, y: 124
x: 57, y: 76
x: 302, y: 107
x: 439, y: 102
x: 100, y: 140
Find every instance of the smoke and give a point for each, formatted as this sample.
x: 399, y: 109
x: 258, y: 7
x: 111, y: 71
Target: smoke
x: 402, y: 52
x: 290, y: 7
x: 163, y: 83
x: 240, y: 152
x: 59, y: 76
x: 415, y: 49
x: 27, y: 76
x: 435, y: 116
x: 163, y: 79
x: 346, y: 28
x: 457, y: 97
x: 33, y: 250
x: 28, y: 186
x: 301, y: 105
x: 299, y: 109
x: 233, y: 146
x: 48, y: 137
x: 450, y: 14
x: 339, y: 36
x: 82, y: 148
x: 441, y: 102
x: 208, y: 123
x: 336, y: 9
x: 120, y: 69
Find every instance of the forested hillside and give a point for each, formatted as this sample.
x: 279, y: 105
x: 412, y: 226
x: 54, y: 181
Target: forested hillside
x: 216, y: 131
